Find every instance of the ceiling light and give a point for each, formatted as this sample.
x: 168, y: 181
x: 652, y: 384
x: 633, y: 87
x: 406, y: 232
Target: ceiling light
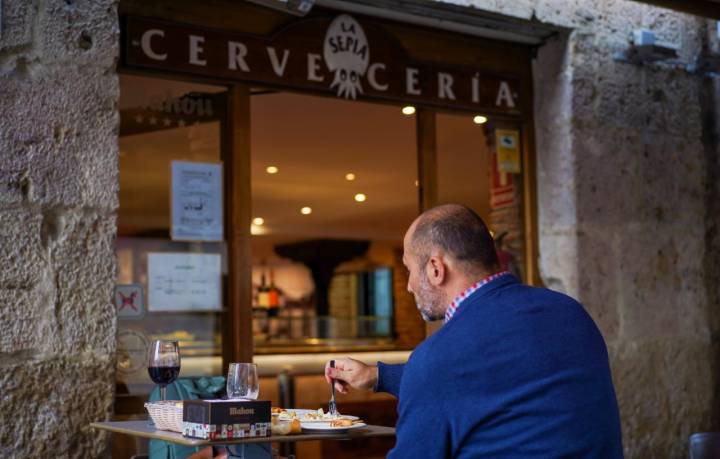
x: 258, y: 221
x: 408, y: 110
x: 360, y: 197
x: 272, y: 170
x: 349, y: 176
x: 256, y: 230
x: 479, y: 119
x: 306, y: 210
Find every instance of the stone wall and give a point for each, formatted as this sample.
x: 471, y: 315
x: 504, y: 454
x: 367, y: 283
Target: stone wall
x: 628, y: 213
x: 58, y: 197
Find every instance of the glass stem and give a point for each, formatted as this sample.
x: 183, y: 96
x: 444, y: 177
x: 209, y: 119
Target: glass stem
x: 162, y: 393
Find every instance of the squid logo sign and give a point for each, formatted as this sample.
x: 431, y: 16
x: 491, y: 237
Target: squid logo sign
x: 346, y: 54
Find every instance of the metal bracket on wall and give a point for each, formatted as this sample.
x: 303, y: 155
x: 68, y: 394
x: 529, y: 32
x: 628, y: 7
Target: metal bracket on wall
x: 705, y: 64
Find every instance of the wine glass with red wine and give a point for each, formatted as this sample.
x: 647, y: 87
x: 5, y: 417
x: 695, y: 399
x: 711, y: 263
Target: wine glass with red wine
x: 164, y: 363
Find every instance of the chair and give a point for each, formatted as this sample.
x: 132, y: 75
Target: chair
x: 705, y: 445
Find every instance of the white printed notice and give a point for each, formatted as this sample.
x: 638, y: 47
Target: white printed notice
x: 197, y: 203
x: 183, y: 281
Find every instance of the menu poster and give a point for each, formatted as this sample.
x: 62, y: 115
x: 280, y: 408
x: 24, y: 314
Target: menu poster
x: 183, y: 281
x: 197, y: 202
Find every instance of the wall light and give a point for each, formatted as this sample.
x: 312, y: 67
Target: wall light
x: 408, y: 110
x: 349, y: 176
x: 272, y: 170
x: 360, y: 197
x: 258, y: 221
x: 306, y: 210
x: 479, y: 119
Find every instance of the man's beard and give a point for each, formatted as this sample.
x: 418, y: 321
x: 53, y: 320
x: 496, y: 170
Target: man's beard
x: 429, y: 301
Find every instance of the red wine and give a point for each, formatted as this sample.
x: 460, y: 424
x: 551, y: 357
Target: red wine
x: 163, y: 375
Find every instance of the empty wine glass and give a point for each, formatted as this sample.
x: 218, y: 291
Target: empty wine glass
x: 164, y: 363
x: 242, y: 381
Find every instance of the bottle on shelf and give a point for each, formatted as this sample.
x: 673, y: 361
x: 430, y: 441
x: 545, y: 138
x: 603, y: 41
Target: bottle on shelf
x: 263, y: 293
x: 273, y: 295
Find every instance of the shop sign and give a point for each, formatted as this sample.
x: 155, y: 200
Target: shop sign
x: 341, y: 55
x: 129, y: 301
x: 172, y: 112
x: 507, y: 145
x: 502, y: 186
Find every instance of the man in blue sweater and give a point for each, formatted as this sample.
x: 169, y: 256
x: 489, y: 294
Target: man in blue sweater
x: 515, y: 371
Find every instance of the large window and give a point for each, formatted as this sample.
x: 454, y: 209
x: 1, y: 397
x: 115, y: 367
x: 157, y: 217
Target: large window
x: 333, y: 191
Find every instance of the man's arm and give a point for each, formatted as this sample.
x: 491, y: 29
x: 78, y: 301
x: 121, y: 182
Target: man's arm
x: 353, y: 373
x: 389, y: 377
x: 423, y: 429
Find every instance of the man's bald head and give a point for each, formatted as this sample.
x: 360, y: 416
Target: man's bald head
x: 459, y: 232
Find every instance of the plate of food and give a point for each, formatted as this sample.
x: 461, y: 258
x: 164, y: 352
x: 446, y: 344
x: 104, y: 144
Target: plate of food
x: 309, y: 416
x: 334, y: 426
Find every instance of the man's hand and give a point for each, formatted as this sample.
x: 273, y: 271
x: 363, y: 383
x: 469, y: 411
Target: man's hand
x: 351, y: 373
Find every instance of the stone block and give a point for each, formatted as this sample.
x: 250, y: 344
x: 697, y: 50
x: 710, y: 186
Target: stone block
x: 84, y: 265
x: 23, y: 317
x: 18, y: 18
x: 599, y: 277
x: 672, y: 181
x: 608, y: 187
x: 59, y: 138
x: 52, y: 400
x: 81, y: 31
x: 662, y: 388
x: 558, y: 259
x: 21, y: 253
x: 660, y: 286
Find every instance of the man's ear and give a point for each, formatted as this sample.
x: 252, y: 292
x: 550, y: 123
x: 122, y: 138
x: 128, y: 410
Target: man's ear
x: 435, y: 270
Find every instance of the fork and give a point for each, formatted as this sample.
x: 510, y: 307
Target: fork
x: 332, y: 407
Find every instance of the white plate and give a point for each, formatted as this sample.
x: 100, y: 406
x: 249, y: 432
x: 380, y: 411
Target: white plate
x: 301, y: 414
x: 315, y: 427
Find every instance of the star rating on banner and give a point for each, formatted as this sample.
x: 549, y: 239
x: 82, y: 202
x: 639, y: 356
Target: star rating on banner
x: 166, y: 122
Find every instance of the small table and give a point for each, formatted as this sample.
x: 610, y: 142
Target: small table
x: 142, y: 429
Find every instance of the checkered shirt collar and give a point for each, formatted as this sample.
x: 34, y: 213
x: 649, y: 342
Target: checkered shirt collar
x: 453, y: 307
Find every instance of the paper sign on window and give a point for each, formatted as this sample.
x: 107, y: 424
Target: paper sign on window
x: 507, y: 145
x: 183, y: 281
x: 197, y: 202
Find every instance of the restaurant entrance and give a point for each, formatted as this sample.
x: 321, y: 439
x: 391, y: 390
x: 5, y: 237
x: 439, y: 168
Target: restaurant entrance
x: 269, y: 168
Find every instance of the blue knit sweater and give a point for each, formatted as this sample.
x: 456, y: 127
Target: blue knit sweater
x: 519, y: 372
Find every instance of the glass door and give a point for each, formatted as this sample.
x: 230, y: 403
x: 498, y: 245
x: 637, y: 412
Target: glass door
x: 171, y: 247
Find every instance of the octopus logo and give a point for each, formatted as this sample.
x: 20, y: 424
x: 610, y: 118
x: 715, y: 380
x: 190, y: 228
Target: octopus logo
x: 346, y: 54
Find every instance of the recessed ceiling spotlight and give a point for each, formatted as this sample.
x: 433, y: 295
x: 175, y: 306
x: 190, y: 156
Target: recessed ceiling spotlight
x: 272, y: 170
x: 408, y: 110
x: 306, y: 210
x: 360, y: 197
x: 349, y: 176
x: 479, y: 119
x: 259, y: 221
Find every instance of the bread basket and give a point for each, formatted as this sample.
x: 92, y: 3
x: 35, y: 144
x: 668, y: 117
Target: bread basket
x: 166, y: 415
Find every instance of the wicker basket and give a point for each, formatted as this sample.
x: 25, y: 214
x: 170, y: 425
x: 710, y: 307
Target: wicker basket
x: 167, y: 415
